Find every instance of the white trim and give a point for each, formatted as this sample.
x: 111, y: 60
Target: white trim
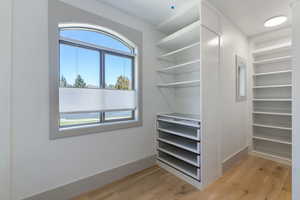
x: 98, y: 28
x: 234, y: 154
x: 94, y: 181
x: 272, y: 157
x: 85, y: 44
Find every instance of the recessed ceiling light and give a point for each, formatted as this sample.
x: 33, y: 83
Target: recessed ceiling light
x: 275, y: 21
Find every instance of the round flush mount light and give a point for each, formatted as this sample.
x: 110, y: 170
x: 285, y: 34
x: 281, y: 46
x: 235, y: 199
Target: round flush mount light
x: 275, y: 21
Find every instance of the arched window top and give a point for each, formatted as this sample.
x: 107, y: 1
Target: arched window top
x: 96, y: 37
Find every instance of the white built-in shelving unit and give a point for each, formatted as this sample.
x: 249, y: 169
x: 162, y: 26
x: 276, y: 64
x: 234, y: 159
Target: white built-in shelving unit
x: 189, y: 67
x: 272, y: 99
x: 178, y: 133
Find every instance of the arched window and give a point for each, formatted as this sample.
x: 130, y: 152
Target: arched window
x: 96, y: 77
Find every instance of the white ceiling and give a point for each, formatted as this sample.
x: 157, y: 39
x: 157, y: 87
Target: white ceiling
x: 152, y: 11
x: 248, y: 15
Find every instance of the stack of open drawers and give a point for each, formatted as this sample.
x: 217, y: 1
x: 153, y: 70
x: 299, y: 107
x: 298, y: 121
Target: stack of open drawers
x: 178, y: 143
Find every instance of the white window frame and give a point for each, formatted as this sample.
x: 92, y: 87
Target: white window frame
x: 59, y: 15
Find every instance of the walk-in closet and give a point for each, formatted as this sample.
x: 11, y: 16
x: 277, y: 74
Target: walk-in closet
x: 150, y: 100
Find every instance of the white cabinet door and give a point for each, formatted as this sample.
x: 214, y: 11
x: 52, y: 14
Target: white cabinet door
x: 210, y: 93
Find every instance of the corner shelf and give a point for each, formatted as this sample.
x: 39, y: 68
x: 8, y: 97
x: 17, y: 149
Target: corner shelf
x: 182, y: 38
x: 180, y: 84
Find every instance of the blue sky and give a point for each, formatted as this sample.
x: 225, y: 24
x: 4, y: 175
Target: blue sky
x: 86, y: 62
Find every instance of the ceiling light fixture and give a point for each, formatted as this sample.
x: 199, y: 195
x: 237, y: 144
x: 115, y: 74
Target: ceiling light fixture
x: 275, y: 21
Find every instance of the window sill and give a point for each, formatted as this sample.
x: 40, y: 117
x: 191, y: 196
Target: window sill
x: 93, y: 129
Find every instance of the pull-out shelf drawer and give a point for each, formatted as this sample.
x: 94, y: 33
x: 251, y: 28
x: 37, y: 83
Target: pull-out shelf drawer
x: 186, y: 156
x: 180, y: 165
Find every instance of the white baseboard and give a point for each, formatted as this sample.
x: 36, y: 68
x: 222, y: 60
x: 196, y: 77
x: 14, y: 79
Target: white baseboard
x: 94, y: 182
x: 231, y: 160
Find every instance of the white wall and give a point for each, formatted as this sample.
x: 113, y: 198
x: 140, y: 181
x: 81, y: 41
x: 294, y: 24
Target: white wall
x: 235, y: 115
x: 296, y: 98
x: 40, y: 164
x: 5, y: 79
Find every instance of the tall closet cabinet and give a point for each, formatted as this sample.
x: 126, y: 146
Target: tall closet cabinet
x: 188, y: 137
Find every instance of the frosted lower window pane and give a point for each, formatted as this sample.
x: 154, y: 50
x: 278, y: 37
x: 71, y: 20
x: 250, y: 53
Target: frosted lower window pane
x: 91, y: 100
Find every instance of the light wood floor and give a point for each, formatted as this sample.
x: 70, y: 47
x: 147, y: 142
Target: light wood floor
x: 252, y: 179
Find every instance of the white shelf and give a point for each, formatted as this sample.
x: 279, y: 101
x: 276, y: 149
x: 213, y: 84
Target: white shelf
x: 272, y: 140
x: 273, y: 60
x: 182, y: 38
x: 181, y: 84
x: 272, y: 113
x: 271, y: 86
x: 273, y: 49
x: 185, y: 156
x: 197, y: 44
x: 181, y: 166
x: 180, y: 116
x: 184, y: 123
x: 185, y: 144
x: 273, y: 100
x: 272, y: 127
x: 181, y: 132
x: 180, y: 20
x: 273, y: 73
x: 181, y: 68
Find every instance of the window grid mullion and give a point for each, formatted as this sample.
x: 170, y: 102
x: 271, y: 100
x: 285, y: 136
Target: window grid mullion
x: 101, y: 78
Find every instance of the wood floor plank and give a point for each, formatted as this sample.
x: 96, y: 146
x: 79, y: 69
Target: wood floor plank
x: 252, y: 179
